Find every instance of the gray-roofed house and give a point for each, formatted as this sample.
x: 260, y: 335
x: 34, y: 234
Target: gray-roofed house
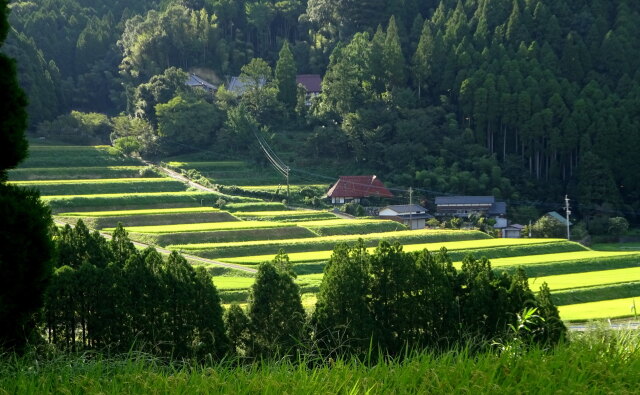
x: 196, y: 82
x: 462, y: 206
x: 557, y: 217
x: 412, y: 215
x: 239, y: 87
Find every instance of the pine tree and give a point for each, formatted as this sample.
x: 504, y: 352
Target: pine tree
x: 393, y: 57
x: 341, y: 318
x: 285, y: 76
x: 275, y: 311
x: 25, y: 244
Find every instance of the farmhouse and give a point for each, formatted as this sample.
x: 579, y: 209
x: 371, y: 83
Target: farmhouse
x: 412, y: 215
x: 354, y: 188
x: 312, y: 83
x: 239, y: 87
x: 462, y: 206
x: 196, y: 82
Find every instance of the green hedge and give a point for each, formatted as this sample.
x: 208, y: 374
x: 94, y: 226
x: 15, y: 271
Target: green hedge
x: 148, y: 220
x: 596, y: 294
x: 158, y: 185
x: 257, y: 206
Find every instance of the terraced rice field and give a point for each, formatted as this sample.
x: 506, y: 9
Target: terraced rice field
x: 589, y: 279
x: 207, y: 227
x: 103, y: 189
x: 613, y: 308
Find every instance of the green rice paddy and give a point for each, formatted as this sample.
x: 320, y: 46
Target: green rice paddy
x: 204, y: 227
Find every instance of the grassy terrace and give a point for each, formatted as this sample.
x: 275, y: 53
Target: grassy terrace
x: 120, y: 213
x: 101, y: 202
x: 56, y: 173
x: 104, y: 186
x: 204, y: 227
x: 613, y: 308
x: 479, y: 248
x: 589, y: 279
x: 330, y: 241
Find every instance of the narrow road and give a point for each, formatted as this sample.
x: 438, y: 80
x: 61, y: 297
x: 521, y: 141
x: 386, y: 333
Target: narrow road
x: 187, y: 256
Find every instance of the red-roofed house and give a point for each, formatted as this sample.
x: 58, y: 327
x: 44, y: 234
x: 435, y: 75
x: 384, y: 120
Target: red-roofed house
x: 312, y: 83
x: 353, y: 188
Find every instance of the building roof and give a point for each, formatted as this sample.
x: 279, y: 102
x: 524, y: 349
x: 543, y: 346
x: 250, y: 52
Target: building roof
x: 195, y: 81
x: 558, y: 217
x: 311, y: 82
x: 406, y: 208
x: 498, y: 208
x: 446, y: 200
x: 514, y: 227
x: 358, y: 187
x: 237, y: 86
x: 415, y: 216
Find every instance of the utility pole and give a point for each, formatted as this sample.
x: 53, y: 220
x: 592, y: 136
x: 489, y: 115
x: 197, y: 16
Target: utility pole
x: 287, y: 175
x: 410, y: 209
x: 568, y: 211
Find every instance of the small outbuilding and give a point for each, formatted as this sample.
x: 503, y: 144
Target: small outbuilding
x: 463, y: 206
x: 412, y: 215
x: 355, y: 188
x: 513, y: 231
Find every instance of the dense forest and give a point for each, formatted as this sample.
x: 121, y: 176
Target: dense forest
x: 523, y: 99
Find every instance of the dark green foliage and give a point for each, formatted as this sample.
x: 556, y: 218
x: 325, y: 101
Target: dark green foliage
x: 25, y: 244
x: 108, y: 296
x: 285, y: 75
x: 25, y: 262
x: 275, y: 311
x: 392, y: 300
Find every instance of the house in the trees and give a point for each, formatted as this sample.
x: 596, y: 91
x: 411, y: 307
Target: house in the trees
x: 557, y: 217
x: 196, y: 82
x: 239, y: 87
x: 412, y: 215
x: 354, y: 188
x: 463, y: 206
x: 312, y: 83
x: 513, y: 231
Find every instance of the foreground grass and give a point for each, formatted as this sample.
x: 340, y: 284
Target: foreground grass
x: 601, y: 362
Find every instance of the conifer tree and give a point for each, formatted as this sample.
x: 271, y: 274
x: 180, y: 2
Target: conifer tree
x: 285, y: 76
x: 275, y: 310
x: 393, y: 57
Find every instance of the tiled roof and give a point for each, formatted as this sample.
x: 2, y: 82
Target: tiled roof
x: 195, y: 81
x: 358, y: 187
x: 445, y: 200
x: 237, y: 86
x: 311, y: 82
x: 557, y: 217
x: 498, y: 208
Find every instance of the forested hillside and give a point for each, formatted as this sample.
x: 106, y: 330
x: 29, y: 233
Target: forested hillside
x: 525, y: 99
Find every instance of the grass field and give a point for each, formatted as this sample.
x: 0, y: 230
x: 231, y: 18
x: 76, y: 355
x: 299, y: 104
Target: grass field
x: 71, y: 156
x: 328, y: 242
x: 66, y: 202
x: 614, y: 308
x: 76, y: 173
x: 222, y: 236
x: 590, y: 363
x: 353, y: 227
x: 588, y: 279
x: 478, y: 248
x: 104, y: 186
x: 257, y: 205
x: 120, y: 213
x: 290, y: 215
x: 151, y: 220
x: 204, y: 227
